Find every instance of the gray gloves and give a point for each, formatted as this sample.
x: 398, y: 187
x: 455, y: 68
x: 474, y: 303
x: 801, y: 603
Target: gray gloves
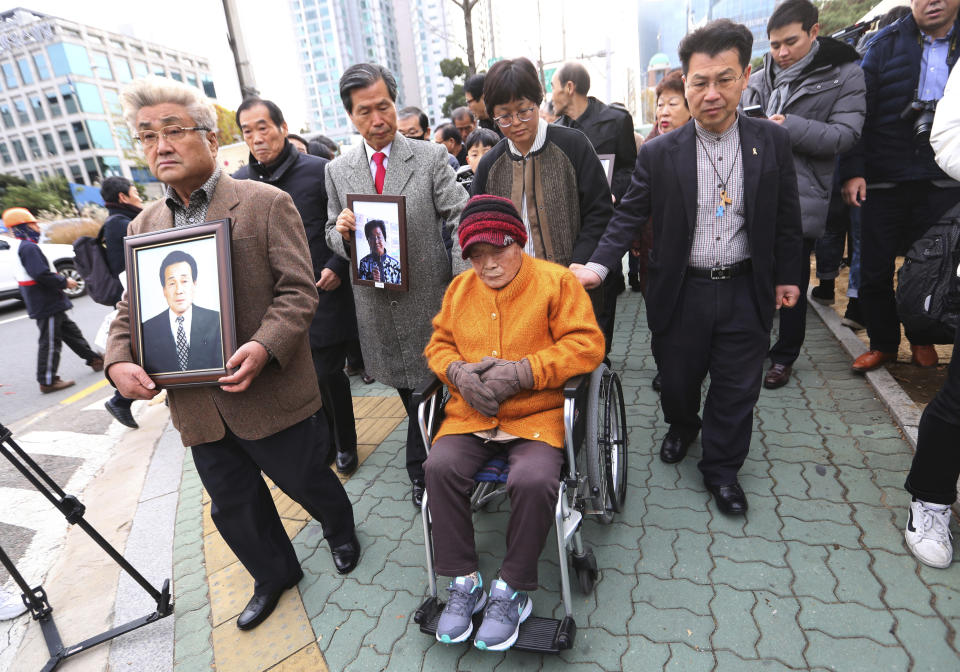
x: 505, y: 378
x: 466, y: 378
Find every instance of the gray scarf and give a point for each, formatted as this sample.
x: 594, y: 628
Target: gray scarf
x: 783, y: 79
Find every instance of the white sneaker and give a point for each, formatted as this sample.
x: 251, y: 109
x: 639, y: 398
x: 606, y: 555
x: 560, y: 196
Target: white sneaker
x: 928, y: 534
x: 11, y: 605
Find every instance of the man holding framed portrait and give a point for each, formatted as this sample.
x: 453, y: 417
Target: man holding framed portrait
x: 414, y: 183
x: 262, y: 415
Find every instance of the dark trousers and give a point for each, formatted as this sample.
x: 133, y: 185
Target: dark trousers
x: 354, y: 355
x: 793, y: 321
x: 533, y: 484
x: 892, y: 220
x: 243, y: 510
x: 54, y: 332
x: 416, y: 452
x: 716, y: 329
x: 120, y: 400
x: 337, y: 399
x: 936, y: 464
x: 606, y: 311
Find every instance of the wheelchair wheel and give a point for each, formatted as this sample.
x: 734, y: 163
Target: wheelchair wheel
x: 606, y: 444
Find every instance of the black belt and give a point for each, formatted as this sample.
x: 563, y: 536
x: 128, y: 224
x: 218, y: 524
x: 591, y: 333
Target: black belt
x: 721, y: 272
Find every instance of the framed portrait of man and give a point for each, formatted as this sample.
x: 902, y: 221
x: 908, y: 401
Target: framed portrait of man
x: 180, y: 295
x: 378, y: 254
x: 606, y: 160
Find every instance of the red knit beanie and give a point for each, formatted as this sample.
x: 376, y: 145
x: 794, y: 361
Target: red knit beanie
x: 490, y: 219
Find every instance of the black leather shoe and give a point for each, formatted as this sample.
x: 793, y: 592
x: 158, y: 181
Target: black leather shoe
x: 261, y: 606
x: 346, y: 556
x: 121, y: 413
x: 657, y: 382
x: 674, y: 448
x: 367, y: 379
x: 729, y: 498
x: 417, y: 495
x: 347, y: 461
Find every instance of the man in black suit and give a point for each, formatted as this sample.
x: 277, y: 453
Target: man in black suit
x: 185, y: 337
x: 722, y: 194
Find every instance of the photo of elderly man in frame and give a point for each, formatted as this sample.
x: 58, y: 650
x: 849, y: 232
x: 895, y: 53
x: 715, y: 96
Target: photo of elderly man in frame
x: 184, y: 336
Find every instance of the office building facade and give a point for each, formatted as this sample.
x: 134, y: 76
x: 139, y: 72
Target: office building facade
x: 60, y: 87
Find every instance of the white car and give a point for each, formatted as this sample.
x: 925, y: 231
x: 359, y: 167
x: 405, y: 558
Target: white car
x: 61, y: 260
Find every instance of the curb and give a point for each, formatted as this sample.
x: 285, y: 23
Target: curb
x: 903, y: 409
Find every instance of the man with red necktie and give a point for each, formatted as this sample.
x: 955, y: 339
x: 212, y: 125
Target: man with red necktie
x: 395, y: 325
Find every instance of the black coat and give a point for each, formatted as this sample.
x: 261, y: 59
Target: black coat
x: 160, y: 349
x: 664, y: 186
x: 114, y: 230
x: 302, y: 176
x: 610, y: 131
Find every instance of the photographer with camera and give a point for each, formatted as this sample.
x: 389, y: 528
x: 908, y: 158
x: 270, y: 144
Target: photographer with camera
x: 891, y: 173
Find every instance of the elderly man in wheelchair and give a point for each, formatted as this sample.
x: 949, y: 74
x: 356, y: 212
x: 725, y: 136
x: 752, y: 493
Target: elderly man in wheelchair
x: 508, y: 337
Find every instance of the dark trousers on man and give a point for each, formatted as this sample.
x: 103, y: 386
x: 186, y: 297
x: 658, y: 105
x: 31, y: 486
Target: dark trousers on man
x: 243, y: 509
x: 716, y: 329
x: 936, y: 464
x: 416, y: 452
x: 892, y: 220
x: 793, y: 321
x: 337, y: 398
x: 54, y: 332
x: 606, y: 308
x: 533, y: 484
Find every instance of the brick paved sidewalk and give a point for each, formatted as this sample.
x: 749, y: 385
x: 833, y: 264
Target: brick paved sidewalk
x: 815, y: 577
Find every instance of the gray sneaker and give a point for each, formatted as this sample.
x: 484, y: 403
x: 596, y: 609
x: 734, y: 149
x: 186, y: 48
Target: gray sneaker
x: 465, y: 599
x: 506, y: 610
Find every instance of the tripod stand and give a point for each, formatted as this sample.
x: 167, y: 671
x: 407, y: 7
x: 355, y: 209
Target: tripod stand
x: 36, y: 598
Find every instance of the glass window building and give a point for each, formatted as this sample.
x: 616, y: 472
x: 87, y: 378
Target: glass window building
x: 60, y: 80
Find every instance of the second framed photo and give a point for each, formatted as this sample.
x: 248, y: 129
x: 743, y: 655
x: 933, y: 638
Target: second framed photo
x: 180, y: 293
x: 378, y: 255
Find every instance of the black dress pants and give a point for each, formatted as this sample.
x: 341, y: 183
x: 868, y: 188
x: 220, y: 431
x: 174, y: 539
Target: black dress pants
x: 892, y: 220
x: 416, y: 452
x: 936, y: 464
x: 54, y: 332
x: 243, y: 510
x: 337, y: 399
x: 793, y: 321
x: 716, y: 329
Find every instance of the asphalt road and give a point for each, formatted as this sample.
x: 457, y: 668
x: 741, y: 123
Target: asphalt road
x: 20, y: 394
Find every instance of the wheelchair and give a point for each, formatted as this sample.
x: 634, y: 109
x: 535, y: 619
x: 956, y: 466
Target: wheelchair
x: 593, y: 482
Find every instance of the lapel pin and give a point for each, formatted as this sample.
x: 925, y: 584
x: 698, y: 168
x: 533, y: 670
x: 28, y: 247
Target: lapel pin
x: 755, y: 151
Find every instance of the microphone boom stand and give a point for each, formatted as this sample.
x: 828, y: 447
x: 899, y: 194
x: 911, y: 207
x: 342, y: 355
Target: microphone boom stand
x: 35, y: 599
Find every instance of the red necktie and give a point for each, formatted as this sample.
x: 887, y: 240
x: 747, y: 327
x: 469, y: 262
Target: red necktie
x: 378, y: 158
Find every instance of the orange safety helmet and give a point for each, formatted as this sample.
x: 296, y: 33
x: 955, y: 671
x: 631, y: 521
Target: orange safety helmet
x: 15, y: 216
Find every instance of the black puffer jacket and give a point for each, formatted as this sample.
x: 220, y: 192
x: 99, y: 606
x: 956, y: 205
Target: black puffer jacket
x: 302, y: 176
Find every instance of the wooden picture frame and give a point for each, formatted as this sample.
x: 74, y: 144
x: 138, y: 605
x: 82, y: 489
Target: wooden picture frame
x: 184, y: 271
x: 388, y: 217
x: 607, y: 161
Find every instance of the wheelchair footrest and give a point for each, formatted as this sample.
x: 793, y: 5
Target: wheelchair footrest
x: 538, y: 635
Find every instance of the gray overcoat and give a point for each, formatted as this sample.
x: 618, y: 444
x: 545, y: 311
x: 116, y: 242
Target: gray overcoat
x: 395, y: 326
x: 825, y: 110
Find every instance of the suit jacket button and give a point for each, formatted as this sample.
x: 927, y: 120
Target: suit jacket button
x: 394, y: 304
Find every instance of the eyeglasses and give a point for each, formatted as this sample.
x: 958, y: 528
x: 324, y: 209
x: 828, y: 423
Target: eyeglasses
x: 506, y: 120
x: 720, y: 83
x: 170, y: 134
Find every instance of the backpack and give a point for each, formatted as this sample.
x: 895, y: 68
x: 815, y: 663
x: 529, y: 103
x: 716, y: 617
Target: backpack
x: 928, y: 289
x: 91, y: 262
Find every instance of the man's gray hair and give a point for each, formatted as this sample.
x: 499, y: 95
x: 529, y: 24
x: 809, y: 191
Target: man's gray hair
x: 153, y: 90
x: 362, y: 75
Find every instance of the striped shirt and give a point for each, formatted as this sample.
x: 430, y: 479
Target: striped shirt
x: 196, y: 210
x: 719, y: 240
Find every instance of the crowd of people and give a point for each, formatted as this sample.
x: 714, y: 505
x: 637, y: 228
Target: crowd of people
x: 518, y: 233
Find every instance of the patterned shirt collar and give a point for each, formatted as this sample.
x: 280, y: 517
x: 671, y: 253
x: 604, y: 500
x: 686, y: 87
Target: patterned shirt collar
x: 718, y: 137
x: 196, y: 211
x: 537, y: 141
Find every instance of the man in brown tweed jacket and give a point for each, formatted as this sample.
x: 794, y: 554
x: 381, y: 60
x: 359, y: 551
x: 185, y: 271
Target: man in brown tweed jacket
x: 262, y: 417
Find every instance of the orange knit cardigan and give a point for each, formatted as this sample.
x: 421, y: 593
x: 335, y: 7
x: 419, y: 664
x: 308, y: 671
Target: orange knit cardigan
x: 544, y: 315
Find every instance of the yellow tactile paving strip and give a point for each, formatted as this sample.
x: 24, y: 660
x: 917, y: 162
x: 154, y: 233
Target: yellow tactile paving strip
x: 285, y: 642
